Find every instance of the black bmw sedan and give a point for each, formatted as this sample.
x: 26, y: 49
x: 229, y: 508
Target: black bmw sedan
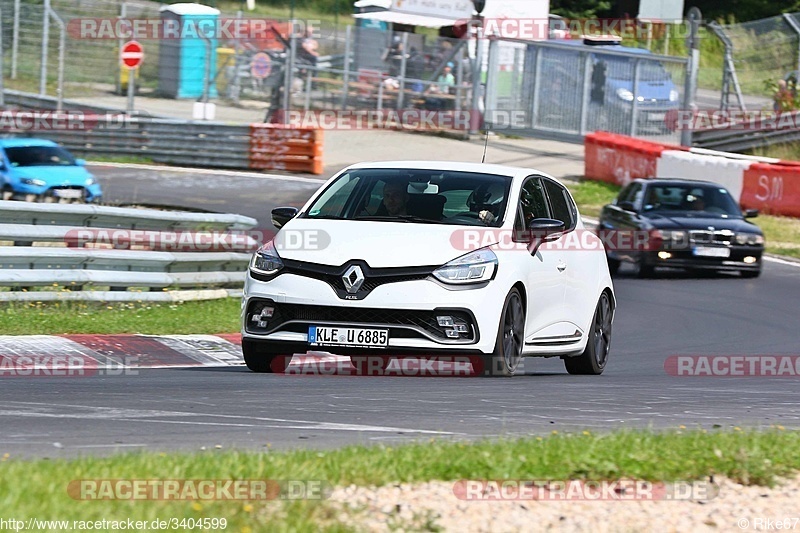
x: 680, y: 223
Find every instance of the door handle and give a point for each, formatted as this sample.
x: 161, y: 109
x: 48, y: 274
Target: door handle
x: 562, y: 266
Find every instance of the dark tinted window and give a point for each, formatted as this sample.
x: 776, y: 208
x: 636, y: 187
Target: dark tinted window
x: 532, y: 202
x: 628, y: 194
x: 560, y: 203
x: 419, y: 195
x: 696, y: 198
x: 37, y: 156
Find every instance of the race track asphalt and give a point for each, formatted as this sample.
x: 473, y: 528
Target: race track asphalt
x: 188, y: 409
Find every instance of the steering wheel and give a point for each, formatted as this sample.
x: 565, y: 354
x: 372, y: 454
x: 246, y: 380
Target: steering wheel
x: 468, y: 214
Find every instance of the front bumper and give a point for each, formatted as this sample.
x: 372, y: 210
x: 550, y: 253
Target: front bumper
x: 92, y: 193
x: 408, y: 309
x: 686, y: 259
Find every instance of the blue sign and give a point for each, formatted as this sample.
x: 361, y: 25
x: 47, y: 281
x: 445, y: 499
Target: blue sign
x: 260, y: 66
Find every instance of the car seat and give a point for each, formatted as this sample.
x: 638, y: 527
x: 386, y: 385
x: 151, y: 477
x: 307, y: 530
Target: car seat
x: 430, y: 206
x: 487, y: 197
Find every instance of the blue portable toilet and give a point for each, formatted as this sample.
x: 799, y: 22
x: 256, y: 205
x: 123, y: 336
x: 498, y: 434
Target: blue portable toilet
x: 183, y: 50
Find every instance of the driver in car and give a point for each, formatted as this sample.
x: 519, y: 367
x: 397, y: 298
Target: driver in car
x: 395, y: 197
x: 395, y: 202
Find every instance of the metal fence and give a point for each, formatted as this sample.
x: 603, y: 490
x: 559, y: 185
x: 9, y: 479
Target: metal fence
x: 120, y: 253
x: 764, y: 50
x: 533, y: 87
x: 568, y: 90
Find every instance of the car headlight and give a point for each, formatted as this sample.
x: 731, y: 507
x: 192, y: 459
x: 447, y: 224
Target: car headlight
x: 266, y: 260
x: 625, y: 94
x: 34, y: 182
x: 90, y: 181
x: 749, y: 238
x: 473, y: 267
x: 674, y: 95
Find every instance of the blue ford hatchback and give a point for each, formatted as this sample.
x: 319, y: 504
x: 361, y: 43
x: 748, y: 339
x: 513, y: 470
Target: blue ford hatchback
x: 41, y: 170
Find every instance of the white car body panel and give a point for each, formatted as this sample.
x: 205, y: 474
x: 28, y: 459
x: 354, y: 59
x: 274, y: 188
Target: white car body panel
x: 561, y: 286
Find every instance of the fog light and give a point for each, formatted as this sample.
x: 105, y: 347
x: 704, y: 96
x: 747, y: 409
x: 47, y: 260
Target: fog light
x: 445, y: 321
x: 462, y: 328
x: 451, y: 333
x: 749, y: 259
x: 266, y: 312
x: 664, y: 255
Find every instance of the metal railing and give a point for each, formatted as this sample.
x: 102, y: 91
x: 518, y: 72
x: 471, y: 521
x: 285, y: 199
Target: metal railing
x: 140, y: 257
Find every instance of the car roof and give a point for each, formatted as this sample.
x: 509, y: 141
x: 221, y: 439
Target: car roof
x: 605, y: 49
x: 677, y: 181
x: 479, y: 168
x: 24, y: 141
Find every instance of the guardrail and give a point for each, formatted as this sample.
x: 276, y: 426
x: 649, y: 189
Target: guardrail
x: 199, y: 255
x: 179, y: 142
x: 740, y: 140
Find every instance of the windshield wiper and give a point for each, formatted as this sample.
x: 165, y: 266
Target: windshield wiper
x: 324, y: 217
x: 399, y: 218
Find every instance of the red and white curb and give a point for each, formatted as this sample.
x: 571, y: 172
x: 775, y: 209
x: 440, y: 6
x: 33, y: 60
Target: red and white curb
x: 104, y: 351
x: 105, y: 355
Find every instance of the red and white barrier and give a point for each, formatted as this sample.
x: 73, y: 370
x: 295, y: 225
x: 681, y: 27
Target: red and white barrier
x: 767, y: 184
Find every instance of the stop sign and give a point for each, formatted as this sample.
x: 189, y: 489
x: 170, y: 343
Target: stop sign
x: 132, y: 54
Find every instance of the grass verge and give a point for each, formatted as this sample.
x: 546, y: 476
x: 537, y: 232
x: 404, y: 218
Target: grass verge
x: 748, y: 457
x: 781, y: 233
x: 194, y: 317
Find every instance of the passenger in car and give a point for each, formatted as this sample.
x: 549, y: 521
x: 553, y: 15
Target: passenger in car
x: 395, y: 199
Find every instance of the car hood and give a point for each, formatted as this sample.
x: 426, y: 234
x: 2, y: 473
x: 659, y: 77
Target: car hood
x: 649, y: 89
x: 55, y: 175
x: 692, y: 221
x: 380, y: 244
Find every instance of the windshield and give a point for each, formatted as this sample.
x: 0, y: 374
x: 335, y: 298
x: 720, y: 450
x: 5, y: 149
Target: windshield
x: 417, y: 196
x: 621, y: 68
x: 38, y: 156
x: 691, y: 198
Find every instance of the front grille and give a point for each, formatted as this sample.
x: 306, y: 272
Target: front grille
x: 296, y: 317
x: 373, y: 277
x: 723, y: 237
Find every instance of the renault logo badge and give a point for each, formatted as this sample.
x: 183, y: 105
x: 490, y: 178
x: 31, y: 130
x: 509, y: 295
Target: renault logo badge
x: 353, y: 279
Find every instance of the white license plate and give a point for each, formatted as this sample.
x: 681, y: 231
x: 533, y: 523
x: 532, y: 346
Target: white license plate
x: 708, y: 251
x: 68, y: 193
x: 338, y: 336
x: 656, y: 116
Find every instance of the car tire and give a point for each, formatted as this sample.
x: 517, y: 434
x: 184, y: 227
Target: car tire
x: 645, y: 270
x: 613, y: 265
x: 594, y: 358
x: 260, y: 359
x: 750, y: 273
x: 510, y: 338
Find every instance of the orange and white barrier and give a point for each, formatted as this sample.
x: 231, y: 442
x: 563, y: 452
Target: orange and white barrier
x: 277, y: 147
x: 767, y: 184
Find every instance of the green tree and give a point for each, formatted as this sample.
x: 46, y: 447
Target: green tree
x: 743, y: 10
x: 578, y: 9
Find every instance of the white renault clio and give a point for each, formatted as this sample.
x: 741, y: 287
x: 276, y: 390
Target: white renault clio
x: 424, y: 259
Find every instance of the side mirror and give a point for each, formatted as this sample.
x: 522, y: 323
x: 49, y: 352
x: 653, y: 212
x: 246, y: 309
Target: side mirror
x: 750, y: 213
x: 544, y: 230
x: 282, y: 215
x: 627, y: 206
x: 80, y: 162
